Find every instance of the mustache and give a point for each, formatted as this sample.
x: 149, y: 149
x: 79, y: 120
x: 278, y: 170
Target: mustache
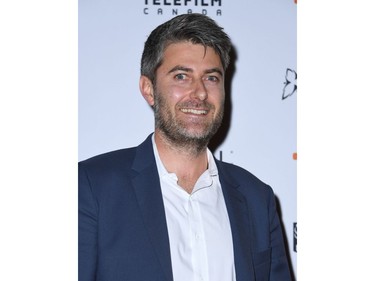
x: 195, y: 104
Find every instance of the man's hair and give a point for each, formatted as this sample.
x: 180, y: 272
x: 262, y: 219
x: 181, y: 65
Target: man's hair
x: 194, y: 28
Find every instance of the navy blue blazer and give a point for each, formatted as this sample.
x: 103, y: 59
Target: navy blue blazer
x: 123, y: 232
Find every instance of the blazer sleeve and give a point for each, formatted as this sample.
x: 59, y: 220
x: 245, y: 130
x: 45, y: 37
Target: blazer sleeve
x: 87, y: 228
x: 279, y: 263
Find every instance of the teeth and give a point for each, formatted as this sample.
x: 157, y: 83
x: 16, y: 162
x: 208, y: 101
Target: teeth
x: 194, y: 111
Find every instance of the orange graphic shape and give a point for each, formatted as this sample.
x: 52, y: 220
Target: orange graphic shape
x: 295, y: 156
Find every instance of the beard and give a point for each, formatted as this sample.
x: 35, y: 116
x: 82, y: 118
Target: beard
x: 186, y: 134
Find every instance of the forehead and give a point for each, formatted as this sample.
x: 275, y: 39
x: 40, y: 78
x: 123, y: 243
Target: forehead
x: 191, y: 54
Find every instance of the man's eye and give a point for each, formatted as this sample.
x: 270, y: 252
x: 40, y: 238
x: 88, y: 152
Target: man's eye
x: 212, y: 78
x: 180, y: 76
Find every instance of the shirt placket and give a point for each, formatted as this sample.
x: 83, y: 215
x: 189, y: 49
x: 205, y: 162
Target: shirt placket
x: 198, y: 246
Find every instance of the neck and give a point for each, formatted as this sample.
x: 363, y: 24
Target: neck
x: 187, y: 162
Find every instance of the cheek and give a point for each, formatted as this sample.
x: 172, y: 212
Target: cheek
x: 217, y: 98
x: 175, y: 94
x: 166, y: 92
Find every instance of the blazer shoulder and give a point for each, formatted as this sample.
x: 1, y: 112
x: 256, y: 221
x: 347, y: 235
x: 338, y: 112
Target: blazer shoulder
x: 110, y: 161
x: 237, y: 172
x: 242, y: 177
x: 120, y: 159
x: 104, y: 172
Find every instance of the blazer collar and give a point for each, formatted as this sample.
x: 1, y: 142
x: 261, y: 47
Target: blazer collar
x: 146, y: 185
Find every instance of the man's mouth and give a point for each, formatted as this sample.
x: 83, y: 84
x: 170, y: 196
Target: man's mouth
x: 194, y: 111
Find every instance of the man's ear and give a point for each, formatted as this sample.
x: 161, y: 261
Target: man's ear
x: 147, y: 89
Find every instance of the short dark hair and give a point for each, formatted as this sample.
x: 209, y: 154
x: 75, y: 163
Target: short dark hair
x: 194, y: 28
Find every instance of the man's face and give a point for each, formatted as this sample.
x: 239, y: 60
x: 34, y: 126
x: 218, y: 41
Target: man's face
x: 189, y: 93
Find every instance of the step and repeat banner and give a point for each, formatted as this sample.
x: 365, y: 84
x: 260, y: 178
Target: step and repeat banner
x: 259, y: 133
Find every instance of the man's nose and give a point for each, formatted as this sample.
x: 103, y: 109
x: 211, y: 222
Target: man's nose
x: 199, y: 91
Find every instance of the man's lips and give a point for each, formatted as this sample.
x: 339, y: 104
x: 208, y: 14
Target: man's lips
x: 195, y: 111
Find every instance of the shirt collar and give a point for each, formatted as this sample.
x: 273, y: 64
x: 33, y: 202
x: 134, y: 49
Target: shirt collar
x: 212, y: 168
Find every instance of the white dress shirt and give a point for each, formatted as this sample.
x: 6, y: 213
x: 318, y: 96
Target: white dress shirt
x: 199, y: 230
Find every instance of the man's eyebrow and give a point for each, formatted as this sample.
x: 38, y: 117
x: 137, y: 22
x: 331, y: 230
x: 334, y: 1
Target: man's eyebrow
x: 180, y: 68
x: 215, y: 69
x: 187, y: 69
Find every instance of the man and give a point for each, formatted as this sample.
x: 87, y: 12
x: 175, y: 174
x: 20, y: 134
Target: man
x: 167, y: 210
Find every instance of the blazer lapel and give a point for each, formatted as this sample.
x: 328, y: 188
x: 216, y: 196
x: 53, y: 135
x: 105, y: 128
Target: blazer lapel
x: 240, y: 225
x: 148, y: 192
